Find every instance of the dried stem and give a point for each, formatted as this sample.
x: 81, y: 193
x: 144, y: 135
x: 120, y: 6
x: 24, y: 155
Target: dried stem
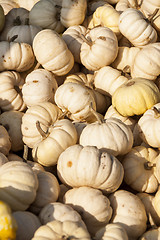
x: 149, y: 165
x: 86, y: 40
x: 40, y: 130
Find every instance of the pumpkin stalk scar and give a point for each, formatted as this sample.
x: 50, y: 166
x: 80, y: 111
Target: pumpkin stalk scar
x: 149, y: 165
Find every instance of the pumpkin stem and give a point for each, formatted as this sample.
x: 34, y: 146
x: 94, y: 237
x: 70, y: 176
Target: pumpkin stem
x: 149, y: 165
x: 151, y: 16
x: 37, y: 66
x: 156, y: 111
x: 12, y: 38
x: 89, y: 42
x: 100, y: 121
x: 17, y: 21
x: 40, y: 130
x: 152, y: 223
x: 125, y: 71
x: 25, y: 153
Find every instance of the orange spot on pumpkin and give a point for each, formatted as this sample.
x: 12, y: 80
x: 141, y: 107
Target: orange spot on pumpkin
x: 69, y: 164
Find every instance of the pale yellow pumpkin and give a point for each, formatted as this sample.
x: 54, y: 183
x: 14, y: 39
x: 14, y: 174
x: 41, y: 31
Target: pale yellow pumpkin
x: 12, y: 120
x: 111, y: 134
x: 46, y: 14
x: 48, y: 191
x: 10, y: 90
x: 156, y: 201
x: 107, y: 16
x: 106, y: 172
x: 73, y: 12
x: 27, y: 224
x: 47, y: 113
x: 146, y: 63
x: 8, y: 224
x: 18, y: 185
x: 149, y: 6
x: 148, y: 126
x: 5, y: 141
x: 60, y: 136
x: 129, y: 212
x: 54, y: 55
x: 40, y: 86
x: 130, y: 21
x: 112, y: 230
x: 93, y: 206
x: 135, y: 97
x: 100, y: 48
x: 139, y: 169
x: 58, y: 230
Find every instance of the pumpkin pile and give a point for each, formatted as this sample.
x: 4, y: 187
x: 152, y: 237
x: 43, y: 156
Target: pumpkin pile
x: 79, y: 119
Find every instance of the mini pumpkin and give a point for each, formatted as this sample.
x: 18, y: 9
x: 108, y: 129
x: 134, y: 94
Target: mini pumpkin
x: 135, y: 97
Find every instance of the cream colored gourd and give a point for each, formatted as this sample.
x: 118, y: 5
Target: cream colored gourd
x: 5, y: 141
x: 112, y: 112
x: 129, y: 22
x: 147, y: 200
x: 25, y: 33
x: 7, y: 5
x: 40, y: 86
x: 60, y: 230
x: 106, y: 171
x: 47, y: 192
x: 8, y: 224
x: 75, y: 99
x: 107, y: 79
x: 12, y: 121
x: 47, y: 113
x: 135, y: 97
x: 73, y: 12
x: 10, y: 91
x: 129, y: 212
x: 72, y: 37
x: 112, y: 230
x: 107, y: 16
x: 99, y: 49
x: 139, y: 169
x: 102, y: 102
x: 59, y: 211
x: 46, y: 14
x: 146, y: 63
x: 156, y: 21
x: 60, y: 136
x: 125, y: 58
x: 54, y: 55
x: 111, y: 134
x: 16, y: 16
x: 18, y: 185
x: 16, y: 56
x: 93, y: 206
x: 122, y: 5
x: 148, y: 126
x: 27, y: 223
